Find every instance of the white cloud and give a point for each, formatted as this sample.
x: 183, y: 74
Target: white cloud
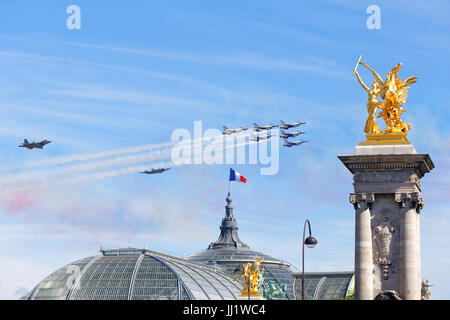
x: 19, y: 276
x: 249, y: 60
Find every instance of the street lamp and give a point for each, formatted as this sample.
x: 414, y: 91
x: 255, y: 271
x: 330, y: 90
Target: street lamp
x: 310, y: 242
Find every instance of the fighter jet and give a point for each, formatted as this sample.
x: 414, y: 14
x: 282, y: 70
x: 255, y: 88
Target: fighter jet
x: 264, y: 128
x: 260, y: 138
x: 32, y: 145
x: 285, y: 135
x: 156, y: 170
x: 231, y: 131
x: 293, y: 143
x: 290, y: 125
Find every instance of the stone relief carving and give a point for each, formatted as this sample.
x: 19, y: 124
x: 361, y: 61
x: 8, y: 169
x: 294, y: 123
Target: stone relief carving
x: 382, y: 237
x: 385, y: 176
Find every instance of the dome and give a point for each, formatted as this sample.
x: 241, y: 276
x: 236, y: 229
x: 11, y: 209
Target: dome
x: 141, y: 274
x: 325, y: 285
x: 228, y: 252
x: 136, y: 274
x: 228, y: 260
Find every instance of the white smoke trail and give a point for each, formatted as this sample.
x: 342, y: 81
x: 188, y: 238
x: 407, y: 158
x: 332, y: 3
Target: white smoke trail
x: 136, y: 169
x: 120, y: 172
x: 103, y: 154
x: 46, y: 175
x: 113, y: 162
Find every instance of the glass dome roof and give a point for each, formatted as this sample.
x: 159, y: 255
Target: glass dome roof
x: 228, y: 252
x: 135, y: 274
x: 131, y: 274
x: 325, y: 285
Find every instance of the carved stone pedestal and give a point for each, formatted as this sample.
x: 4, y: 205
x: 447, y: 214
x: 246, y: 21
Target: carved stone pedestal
x: 387, y: 204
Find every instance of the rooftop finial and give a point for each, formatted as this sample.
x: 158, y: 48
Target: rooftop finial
x: 228, y: 230
x: 229, y: 199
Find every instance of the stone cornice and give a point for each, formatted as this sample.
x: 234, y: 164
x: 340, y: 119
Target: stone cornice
x: 421, y: 162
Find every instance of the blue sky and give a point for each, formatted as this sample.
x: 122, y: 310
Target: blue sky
x: 134, y: 73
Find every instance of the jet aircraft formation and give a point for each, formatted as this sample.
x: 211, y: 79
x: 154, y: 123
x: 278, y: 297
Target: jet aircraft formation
x: 257, y: 138
x: 226, y: 131
x: 284, y: 135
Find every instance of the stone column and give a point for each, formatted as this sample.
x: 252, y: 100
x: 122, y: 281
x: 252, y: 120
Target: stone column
x: 409, y: 282
x: 363, y: 246
x: 419, y: 283
x: 389, y: 176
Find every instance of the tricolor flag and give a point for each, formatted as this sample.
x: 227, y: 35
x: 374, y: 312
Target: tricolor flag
x: 236, y: 176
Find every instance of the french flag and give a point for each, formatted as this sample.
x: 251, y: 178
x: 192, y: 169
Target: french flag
x: 236, y: 176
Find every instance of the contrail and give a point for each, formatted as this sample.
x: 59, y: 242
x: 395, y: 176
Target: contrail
x: 45, y: 175
x: 119, y: 172
x: 136, y: 169
x: 108, y: 153
x: 113, y: 162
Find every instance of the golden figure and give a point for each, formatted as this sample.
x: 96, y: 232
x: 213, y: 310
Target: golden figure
x: 250, y: 277
x: 372, y: 104
x: 394, y: 93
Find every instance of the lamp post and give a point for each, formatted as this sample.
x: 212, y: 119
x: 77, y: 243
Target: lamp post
x: 310, y: 243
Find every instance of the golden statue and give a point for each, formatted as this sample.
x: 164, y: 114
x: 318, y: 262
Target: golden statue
x: 394, y: 93
x: 372, y: 104
x: 250, y: 275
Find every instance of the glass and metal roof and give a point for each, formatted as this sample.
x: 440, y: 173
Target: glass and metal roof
x: 56, y: 286
x: 135, y: 274
x: 324, y: 285
x: 228, y: 260
x: 132, y: 273
x: 233, y: 255
x: 228, y: 252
